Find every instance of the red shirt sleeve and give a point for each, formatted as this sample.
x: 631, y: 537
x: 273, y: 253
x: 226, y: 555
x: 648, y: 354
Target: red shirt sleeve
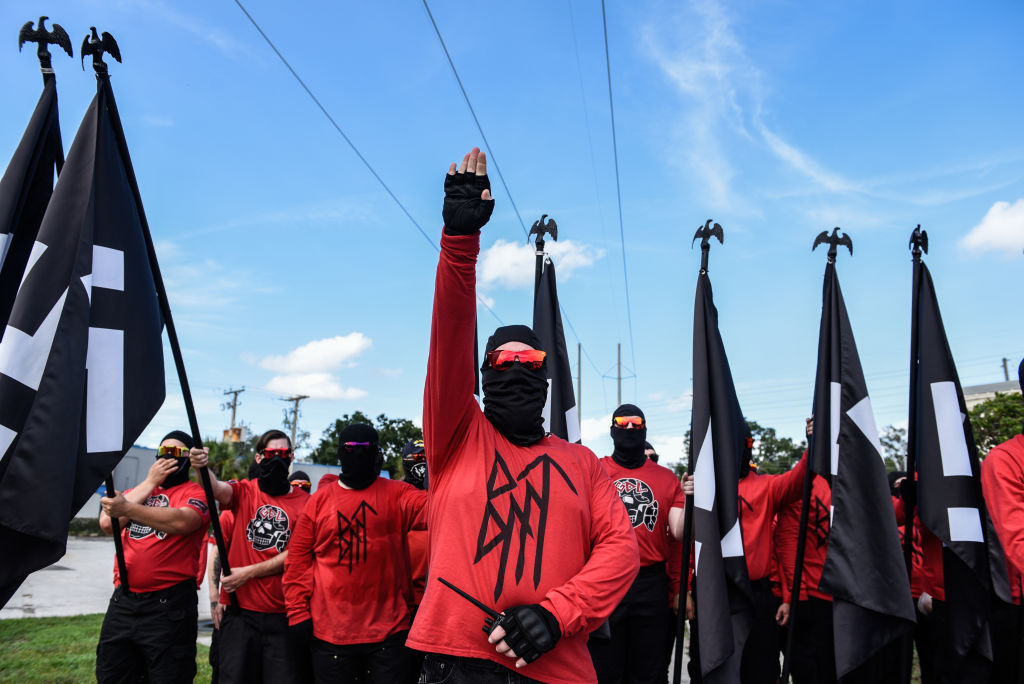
x: 413, y: 504
x: 236, y: 487
x: 787, y: 487
x: 786, y: 529
x: 610, y: 570
x: 298, y: 569
x: 448, y: 400
x: 1002, y: 483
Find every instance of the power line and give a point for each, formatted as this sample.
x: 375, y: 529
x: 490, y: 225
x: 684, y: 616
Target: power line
x: 493, y: 160
x: 355, y: 149
x: 618, y: 187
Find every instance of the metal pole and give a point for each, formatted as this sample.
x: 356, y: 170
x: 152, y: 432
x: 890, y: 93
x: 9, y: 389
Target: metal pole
x: 165, y: 310
x: 618, y: 396
x: 539, y: 268
x: 579, y: 383
x: 798, y: 566
x: 684, y: 577
x: 1006, y: 369
x: 115, y: 525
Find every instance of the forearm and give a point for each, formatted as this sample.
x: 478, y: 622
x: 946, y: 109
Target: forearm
x: 271, y: 566
x: 213, y: 575
x: 169, y: 520
x: 677, y: 522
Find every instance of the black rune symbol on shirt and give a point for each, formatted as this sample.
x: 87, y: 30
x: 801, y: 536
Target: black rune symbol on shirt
x: 352, y: 535
x: 499, y: 483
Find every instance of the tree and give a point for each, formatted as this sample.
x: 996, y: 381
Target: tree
x: 230, y: 460
x: 393, y: 434
x: 996, y: 420
x: 894, y: 446
x: 774, y: 454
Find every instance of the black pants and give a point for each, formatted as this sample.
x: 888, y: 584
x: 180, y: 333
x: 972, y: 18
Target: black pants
x: 446, y: 669
x: 814, y: 657
x: 1006, y: 643
x: 760, y: 664
x: 256, y: 647
x: 638, y: 633
x: 939, y: 662
x: 382, y: 662
x: 149, y: 636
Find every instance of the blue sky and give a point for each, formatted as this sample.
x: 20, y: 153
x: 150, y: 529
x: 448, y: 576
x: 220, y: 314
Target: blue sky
x: 290, y: 270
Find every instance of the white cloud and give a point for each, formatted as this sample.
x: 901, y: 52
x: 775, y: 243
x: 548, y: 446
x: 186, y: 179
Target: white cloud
x: 511, y: 264
x: 319, y: 355
x: 592, y: 429
x: 197, y: 28
x: 313, y: 385
x: 1002, y: 229
x: 388, y: 372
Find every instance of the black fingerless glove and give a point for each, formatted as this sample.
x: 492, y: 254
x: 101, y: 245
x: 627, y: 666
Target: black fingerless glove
x: 302, y: 632
x: 530, y: 630
x: 464, y: 212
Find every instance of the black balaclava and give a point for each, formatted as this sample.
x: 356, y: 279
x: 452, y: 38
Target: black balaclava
x: 300, y: 476
x: 414, y: 464
x: 893, y: 476
x: 180, y: 475
x: 748, y: 454
x: 650, y: 447
x: 272, y: 476
x: 629, y: 442
x: 361, y: 466
x: 514, y: 399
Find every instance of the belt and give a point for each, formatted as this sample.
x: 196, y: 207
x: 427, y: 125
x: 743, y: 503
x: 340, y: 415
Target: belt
x: 159, y: 593
x: 652, y: 570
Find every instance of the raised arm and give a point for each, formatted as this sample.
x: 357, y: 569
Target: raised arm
x: 221, y: 490
x: 448, y: 396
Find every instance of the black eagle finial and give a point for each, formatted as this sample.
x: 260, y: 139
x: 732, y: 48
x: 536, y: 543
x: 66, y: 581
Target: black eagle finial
x: 39, y: 35
x: 834, y: 241
x: 541, y: 227
x: 705, y: 233
x: 97, y: 47
x: 918, y: 242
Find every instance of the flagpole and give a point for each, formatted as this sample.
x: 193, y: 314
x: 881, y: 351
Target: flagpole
x: 918, y: 240
x: 540, y: 227
x: 684, y: 577
x: 103, y: 80
x: 115, y: 527
x: 798, y: 569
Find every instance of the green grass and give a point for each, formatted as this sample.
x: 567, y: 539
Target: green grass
x: 59, y: 650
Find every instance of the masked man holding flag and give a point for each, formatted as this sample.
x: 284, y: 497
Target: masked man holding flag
x: 527, y: 525
x: 655, y: 503
x: 150, y: 633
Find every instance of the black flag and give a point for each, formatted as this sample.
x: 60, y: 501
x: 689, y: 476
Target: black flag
x: 24, y: 193
x: 81, y: 362
x: 719, y: 430
x: 560, y: 415
x: 864, y: 569
x: 949, y: 485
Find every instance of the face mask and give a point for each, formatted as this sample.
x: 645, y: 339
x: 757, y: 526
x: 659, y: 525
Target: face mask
x: 415, y: 472
x: 360, y: 466
x: 514, y: 402
x: 629, y: 446
x: 272, y: 476
x: 178, y: 476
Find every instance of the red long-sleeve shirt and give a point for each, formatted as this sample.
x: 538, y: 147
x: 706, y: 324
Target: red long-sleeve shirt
x: 648, y: 493
x: 1002, y: 483
x: 262, y: 528
x: 760, y: 499
x: 510, y: 525
x: 927, y: 574
x: 347, y: 567
x: 416, y: 542
x: 787, y: 529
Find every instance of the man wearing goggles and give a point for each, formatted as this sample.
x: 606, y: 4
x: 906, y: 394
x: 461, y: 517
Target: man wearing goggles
x: 525, y: 523
x: 655, y: 502
x: 150, y: 633
x: 255, y: 645
x: 346, y: 579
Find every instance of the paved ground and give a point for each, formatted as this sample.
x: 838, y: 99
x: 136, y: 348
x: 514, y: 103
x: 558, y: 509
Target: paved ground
x: 81, y: 582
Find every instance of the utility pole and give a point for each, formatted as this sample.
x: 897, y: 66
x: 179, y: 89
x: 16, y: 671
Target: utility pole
x: 233, y: 404
x: 295, y: 412
x: 619, y: 374
x: 1006, y: 369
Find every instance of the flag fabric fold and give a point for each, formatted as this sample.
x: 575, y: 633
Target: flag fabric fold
x: 81, y: 359
x: 723, y: 592
x: 864, y: 568
x: 560, y: 414
x: 24, y: 193
x: 949, y: 487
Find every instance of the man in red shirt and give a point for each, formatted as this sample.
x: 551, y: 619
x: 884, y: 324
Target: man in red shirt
x: 255, y: 645
x: 346, y: 580
x: 655, y: 504
x: 761, y: 497
x: 150, y: 633
x: 524, y: 522
x: 1002, y: 484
